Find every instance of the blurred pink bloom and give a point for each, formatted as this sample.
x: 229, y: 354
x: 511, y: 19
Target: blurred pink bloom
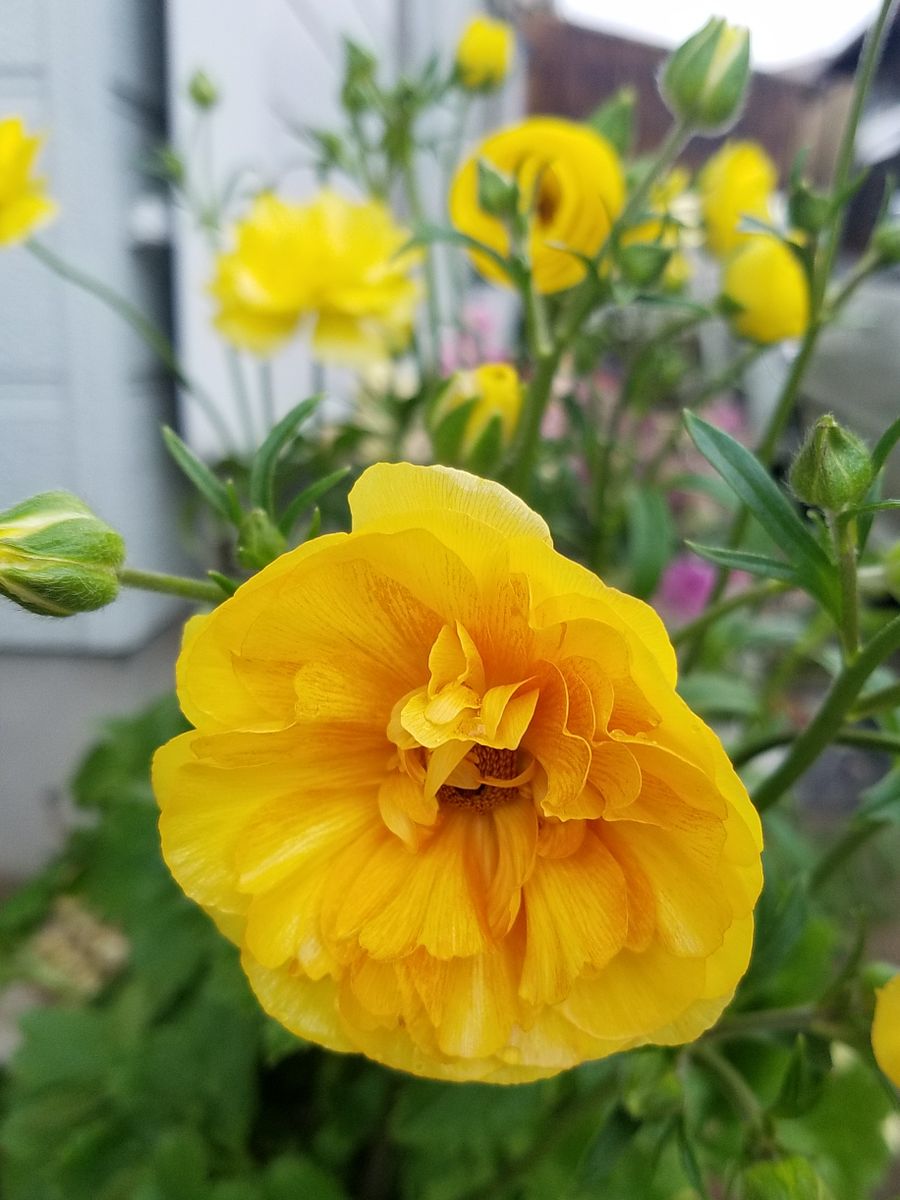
x: 685, y: 588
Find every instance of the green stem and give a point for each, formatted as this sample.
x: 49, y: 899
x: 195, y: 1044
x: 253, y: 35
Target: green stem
x: 605, y: 526
x: 522, y: 462
x: 417, y: 212
x: 855, y: 836
x: 827, y: 722
x: 733, y: 1084
x: 844, y: 534
x: 171, y: 585
x: 242, y: 397
x: 750, y: 596
x: 267, y: 394
x: 864, y: 739
x: 151, y: 335
x: 886, y: 697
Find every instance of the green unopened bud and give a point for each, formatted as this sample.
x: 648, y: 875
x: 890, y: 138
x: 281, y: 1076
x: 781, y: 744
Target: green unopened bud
x: 202, y: 91
x: 56, y: 557
x: 833, y: 468
x: 809, y: 210
x: 704, y: 82
x: 615, y: 119
x: 260, y: 541
x: 789, y: 1179
x: 643, y: 263
x: 886, y: 242
x: 498, y: 194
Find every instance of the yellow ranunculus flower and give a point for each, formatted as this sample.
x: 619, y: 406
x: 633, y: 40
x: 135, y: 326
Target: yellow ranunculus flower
x: 569, y: 175
x: 24, y: 204
x: 736, y: 182
x: 497, y: 391
x: 765, y: 278
x: 333, y: 261
x: 886, y: 1029
x: 484, y: 53
x: 443, y: 794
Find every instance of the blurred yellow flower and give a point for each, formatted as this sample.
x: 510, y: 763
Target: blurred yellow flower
x: 332, y: 261
x: 886, y: 1029
x: 736, y: 182
x: 496, y: 391
x: 765, y: 278
x: 24, y: 203
x: 665, y: 229
x: 484, y: 53
x: 442, y: 792
x: 569, y: 177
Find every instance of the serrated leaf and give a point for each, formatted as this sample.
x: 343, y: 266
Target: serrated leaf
x: 650, y: 538
x: 265, y: 461
x: 210, y: 488
x: 745, y: 560
x: 751, y: 482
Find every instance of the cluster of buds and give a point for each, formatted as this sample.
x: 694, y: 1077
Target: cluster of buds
x: 56, y: 557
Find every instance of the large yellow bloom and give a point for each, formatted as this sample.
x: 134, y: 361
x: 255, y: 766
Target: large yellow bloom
x: 736, y: 182
x: 444, y: 795
x: 333, y: 261
x: 765, y: 278
x: 568, y: 175
x: 24, y: 204
x: 886, y: 1029
x: 484, y: 53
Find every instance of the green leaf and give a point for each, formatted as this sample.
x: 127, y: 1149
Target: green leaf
x: 689, y: 1160
x: 751, y: 482
x: 650, y: 538
x: 745, y: 560
x: 488, y: 450
x: 308, y: 497
x: 210, y: 488
x: 448, y: 433
x: 428, y: 235
x: 881, y: 801
x: 265, y: 461
x: 713, y: 694
x: 804, y: 1078
x: 885, y: 445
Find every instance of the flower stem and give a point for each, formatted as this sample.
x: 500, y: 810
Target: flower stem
x: 733, y: 1084
x: 865, y: 739
x: 151, y: 335
x: 828, y: 720
x: 171, y: 585
x: 749, y: 596
x: 854, y: 836
x: 845, y: 542
x: 417, y: 212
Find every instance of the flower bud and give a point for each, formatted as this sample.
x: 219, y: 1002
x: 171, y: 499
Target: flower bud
x: 260, y: 541
x: 643, y: 263
x: 484, y: 54
x: 789, y: 1179
x: 476, y: 417
x: 202, y: 91
x: 886, y: 242
x: 705, y: 80
x: 56, y: 557
x: 498, y: 194
x: 833, y: 468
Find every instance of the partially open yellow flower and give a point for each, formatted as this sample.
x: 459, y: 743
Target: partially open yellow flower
x: 484, y: 53
x: 444, y: 795
x: 886, y: 1029
x: 496, y: 390
x: 736, y: 182
x: 766, y: 279
x: 333, y: 261
x: 24, y: 204
x: 568, y: 176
